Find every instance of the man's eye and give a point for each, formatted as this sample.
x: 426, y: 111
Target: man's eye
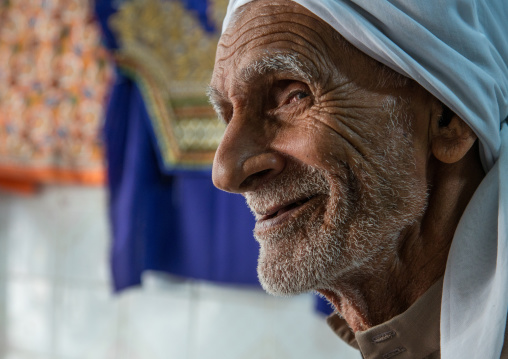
x: 297, y: 96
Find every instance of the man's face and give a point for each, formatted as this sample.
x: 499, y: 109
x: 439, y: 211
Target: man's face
x: 327, y: 146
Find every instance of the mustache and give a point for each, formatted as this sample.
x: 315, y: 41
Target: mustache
x: 297, y: 181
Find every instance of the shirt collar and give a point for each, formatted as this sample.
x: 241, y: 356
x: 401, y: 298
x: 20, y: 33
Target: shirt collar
x: 412, y: 334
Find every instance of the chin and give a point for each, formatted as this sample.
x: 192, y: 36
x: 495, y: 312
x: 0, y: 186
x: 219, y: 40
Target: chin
x: 332, y: 240
x: 305, y: 253
x: 348, y: 225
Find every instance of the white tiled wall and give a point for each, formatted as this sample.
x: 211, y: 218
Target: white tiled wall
x: 56, y: 301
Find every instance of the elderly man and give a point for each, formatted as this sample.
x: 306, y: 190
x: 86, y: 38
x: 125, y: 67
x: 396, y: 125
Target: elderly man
x: 369, y: 138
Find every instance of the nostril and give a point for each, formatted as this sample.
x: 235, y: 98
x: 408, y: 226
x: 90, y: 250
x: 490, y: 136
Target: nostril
x: 254, y: 179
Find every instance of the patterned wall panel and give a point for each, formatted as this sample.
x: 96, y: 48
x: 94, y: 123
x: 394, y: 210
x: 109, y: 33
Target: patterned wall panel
x: 169, y: 52
x: 54, y: 77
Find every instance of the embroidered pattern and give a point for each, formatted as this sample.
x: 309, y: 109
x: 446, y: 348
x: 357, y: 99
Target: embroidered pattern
x: 54, y: 76
x: 165, y: 49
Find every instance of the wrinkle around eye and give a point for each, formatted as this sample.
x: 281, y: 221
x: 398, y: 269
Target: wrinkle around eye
x: 290, y: 111
x: 316, y: 125
x: 347, y: 133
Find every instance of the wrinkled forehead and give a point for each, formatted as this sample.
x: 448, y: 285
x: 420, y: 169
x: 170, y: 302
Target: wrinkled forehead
x: 255, y: 8
x: 267, y: 35
x: 260, y: 18
x: 284, y: 36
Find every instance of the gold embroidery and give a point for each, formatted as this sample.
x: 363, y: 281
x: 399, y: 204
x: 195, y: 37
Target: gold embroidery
x: 163, y: 46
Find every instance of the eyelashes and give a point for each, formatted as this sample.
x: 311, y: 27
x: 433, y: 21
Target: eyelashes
x: 297, y: 96
x: 288, y: 92
x: 283, y: 95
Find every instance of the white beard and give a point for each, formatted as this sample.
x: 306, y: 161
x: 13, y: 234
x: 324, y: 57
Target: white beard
x: 355, y: 228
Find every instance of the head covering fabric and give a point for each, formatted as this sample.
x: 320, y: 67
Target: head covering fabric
x: 458, y: 51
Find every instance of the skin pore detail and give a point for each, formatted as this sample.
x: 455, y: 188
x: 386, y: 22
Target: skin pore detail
x: 281, y: 63
x: 349, y: 216
x: 334, y: 155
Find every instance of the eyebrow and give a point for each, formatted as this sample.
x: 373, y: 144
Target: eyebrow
x: 215, y: 97
x: 281, y: 62
x: 275, y: 63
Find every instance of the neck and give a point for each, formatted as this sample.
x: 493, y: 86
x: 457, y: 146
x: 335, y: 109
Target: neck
x: 366, y: 300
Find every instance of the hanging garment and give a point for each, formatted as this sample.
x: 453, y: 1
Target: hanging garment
x: 161, y: 135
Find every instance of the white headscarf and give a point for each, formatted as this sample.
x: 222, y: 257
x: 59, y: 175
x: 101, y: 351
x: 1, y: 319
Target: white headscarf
x: 458, y: 51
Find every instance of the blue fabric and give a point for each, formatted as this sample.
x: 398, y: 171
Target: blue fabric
x: 176, y: 222
x: 199, y: 8
x: 103, y: 10
x: 179, y: 224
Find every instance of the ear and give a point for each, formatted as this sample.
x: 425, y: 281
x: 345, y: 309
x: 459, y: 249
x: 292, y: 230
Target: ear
x: 451, y: 137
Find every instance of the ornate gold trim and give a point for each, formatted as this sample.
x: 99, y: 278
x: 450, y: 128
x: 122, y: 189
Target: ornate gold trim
x: 165, y: 50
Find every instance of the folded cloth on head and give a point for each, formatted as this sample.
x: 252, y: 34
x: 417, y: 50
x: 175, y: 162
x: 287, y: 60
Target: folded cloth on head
x: 458, y: 51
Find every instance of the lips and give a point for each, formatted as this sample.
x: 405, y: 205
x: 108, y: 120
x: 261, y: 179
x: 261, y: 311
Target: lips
x: 281, y: 209
x: 279, y: 214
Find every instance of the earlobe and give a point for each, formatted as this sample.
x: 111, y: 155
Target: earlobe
x: 452, y: 138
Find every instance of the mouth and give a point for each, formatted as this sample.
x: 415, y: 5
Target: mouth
x: 281, y: 213
x: 281, y: 209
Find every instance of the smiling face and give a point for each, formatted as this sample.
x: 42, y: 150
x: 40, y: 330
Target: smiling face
x: 327, y: 145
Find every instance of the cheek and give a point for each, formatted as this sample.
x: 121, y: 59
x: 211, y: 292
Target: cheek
x: 312, y: 145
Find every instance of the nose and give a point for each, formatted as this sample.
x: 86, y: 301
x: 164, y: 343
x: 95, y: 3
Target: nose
x: 243, y: 160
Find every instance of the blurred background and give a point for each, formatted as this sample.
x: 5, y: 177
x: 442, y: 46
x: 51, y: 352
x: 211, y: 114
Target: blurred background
x: 113, y: 241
